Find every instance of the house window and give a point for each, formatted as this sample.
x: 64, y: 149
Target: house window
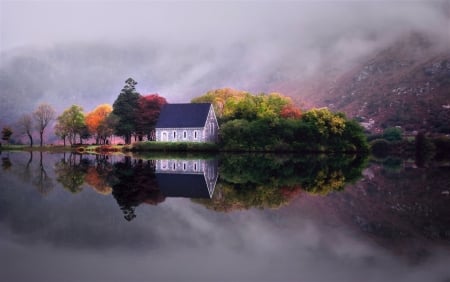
x: 174, y: 166
x: 184, y: 134
x: 184, y: 166
x: 195, y: 134
x: 174, y: 135
x: 195, y: 166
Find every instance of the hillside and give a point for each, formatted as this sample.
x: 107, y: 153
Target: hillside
x: 406, y: 84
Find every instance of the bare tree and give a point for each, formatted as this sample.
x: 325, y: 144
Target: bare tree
x: 26, y: 126
x: 43, y: 114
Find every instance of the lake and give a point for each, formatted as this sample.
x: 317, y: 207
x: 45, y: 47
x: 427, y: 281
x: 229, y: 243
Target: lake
x: 72, y: 217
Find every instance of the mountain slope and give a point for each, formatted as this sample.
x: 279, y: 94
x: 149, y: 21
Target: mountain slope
x: 407, y: 85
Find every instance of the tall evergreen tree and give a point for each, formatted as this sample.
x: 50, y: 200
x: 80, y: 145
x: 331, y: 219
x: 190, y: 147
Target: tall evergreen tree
x: 126, y: 109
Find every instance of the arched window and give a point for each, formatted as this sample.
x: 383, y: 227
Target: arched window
x: 184, y: 134
x: 174, y: 135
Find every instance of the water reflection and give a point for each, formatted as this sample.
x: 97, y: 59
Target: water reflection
x: 271, y: 181
x: 323, y: 219
x: 188, y: 178
x: 225, y: 183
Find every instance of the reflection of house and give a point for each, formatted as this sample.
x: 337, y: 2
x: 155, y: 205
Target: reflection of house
x: 187, y: 123
x: 187, y: 178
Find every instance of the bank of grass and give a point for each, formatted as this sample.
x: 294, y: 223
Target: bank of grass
x: 46, y: 148
x: 12, y: 147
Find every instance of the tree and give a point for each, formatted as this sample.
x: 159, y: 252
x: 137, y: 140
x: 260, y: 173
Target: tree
x: 97, y: 124
x: 25, y: 124
x: 6, y: 133
x: 44, y: 114
x: 392, y: 134
x: 326, y: 122
x: 149, y: 110
x: 232, y: 104
x: 61, y: 131
x: 126, y: 108
x: 71, y: 123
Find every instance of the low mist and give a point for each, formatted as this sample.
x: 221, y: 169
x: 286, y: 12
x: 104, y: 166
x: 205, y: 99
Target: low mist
x: 66, y: 52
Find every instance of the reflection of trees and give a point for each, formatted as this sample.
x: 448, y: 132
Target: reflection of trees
x: 133, y: 183
x: 70, y: 172
x: 27, y: 174
x: 6, y: 163
x: 42, y: 181
x: 269, y: 181
x: 96, y: 176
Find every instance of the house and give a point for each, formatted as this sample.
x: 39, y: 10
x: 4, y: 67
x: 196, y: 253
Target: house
x: 187, y: 178
x: 187, y: 123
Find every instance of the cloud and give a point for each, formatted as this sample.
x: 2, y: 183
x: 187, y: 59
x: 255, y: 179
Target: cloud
x: 67, y: 52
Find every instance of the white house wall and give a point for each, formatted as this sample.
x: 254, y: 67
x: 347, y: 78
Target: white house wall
x: 181, y: 135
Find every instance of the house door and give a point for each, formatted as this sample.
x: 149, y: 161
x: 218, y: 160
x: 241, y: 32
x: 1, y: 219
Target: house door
x: 164, y: 137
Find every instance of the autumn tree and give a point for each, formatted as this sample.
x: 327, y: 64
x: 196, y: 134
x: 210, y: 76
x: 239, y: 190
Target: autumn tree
x: 230, y: 104
x: 6, y: 133
x: 290, y: 111
x: 326, y: 122
x: 25, y: 125
x: 44, y: 114
x: 126, y: 108
x: 219, y: 97
x: 97, y: 123
x: 149, y: 109
x: 71, y: 122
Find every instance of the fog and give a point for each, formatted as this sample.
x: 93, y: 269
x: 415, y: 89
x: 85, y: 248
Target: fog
x: 81, y: 52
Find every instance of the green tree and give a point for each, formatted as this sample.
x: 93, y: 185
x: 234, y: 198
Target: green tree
x: 6, y: 133
x: 44, y: 114
x: 126, y: 109
x: 61, y: 131
x: 392, y: 134
x: 71, y: 122
x: 326, y: 122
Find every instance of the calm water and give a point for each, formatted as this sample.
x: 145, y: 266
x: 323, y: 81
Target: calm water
x: 231, y: 218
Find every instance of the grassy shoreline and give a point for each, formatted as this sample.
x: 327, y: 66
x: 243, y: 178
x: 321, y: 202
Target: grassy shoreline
x: 155, y: 147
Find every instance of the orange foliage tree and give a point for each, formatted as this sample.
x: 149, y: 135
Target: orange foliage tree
x: 97, y: 123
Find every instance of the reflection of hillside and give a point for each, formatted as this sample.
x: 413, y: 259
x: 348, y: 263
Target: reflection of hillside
x: 397, y: 208
x: 271, y: 181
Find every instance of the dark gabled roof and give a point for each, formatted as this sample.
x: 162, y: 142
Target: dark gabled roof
x: 183, y: 115
x: 183, y: 185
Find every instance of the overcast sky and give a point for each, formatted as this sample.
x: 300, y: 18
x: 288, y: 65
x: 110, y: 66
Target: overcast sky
x: 210, y: 23
x: 181, y: 49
